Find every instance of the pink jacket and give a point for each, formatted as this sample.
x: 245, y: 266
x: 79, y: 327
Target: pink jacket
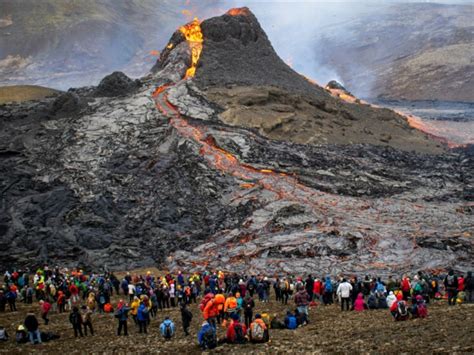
x: 359, y: 304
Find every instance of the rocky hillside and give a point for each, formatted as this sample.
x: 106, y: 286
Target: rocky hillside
x: 406, y: 51
x: 135, y: 173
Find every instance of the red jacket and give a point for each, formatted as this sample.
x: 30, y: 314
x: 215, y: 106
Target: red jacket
x: 45, y: 307
x: 230, y: 336
x: 405, y: 286
x: 73, y: 289
x: 317, y: 287
x: 395, y: 304
x: 460, y: 283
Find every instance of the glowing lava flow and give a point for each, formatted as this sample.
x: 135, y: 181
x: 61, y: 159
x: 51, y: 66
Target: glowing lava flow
x: 192, y: 33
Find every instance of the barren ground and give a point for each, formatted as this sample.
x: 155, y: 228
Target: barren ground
x: 447, y: 329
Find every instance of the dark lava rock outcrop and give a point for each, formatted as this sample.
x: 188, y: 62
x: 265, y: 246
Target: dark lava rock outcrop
x: 116, y: 84
x: 158, y: 177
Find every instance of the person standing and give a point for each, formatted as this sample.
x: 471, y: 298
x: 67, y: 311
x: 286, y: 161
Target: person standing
x: 75, y: 319
x: 142, y: 317
x: 451, y: 285
x: 469, y: 287
x: 87, y: 319
x: 248, y: 306
x: 45, y: 307
x: 122, y: 316
x: 344, y: 292
x: 302, y: 300
x: 186, y: 317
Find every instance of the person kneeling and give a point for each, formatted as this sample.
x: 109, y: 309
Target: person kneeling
x: 167, y: 328
x: 207, y: 336
x: 258, y: 330
x: 399, y: 309
x: 236, y: 331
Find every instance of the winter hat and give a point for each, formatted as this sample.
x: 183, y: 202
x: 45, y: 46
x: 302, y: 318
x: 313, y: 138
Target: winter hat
x: 235, y: 316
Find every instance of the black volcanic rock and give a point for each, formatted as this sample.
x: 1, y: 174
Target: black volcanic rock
x: 237, y: 51
x: 116, y: 84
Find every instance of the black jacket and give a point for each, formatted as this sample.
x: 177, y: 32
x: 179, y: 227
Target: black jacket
x: 31, y: 323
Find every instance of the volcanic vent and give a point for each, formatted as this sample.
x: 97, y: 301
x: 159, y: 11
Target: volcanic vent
x: 172, y: 174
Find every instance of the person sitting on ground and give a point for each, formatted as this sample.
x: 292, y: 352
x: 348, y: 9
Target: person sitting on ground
x: 301, y: 318
x: 207, y: 336
x: 236, y: 331
x: 290, y: 321
x: 21, y: 335
x: 186, y: 318
x: 399, y: 309
x: 275, y: 323
x: 390, y: 299
x: 167, y: 328
x: 3, y: 334
x: 359, y: 304
x: 372, y: 301
x: 381, y: 300
x: 419, y: 309
x: 31, y: 325
x: 258, y: 330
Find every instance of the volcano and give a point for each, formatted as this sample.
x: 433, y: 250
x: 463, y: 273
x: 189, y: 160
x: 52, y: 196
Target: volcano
x: 224, y: 157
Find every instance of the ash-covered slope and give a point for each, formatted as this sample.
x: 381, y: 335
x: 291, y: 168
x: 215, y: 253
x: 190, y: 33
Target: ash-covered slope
x: 151, y: 175
x: 240, y: 71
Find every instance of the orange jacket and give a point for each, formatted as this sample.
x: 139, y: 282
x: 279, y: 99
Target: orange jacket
x: 220, y: 301
x: 210, y: 310
x: 230, y: 304
x: 260, y: 322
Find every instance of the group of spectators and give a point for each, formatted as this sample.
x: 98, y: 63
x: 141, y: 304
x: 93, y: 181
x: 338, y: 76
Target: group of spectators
x: 226, y: 300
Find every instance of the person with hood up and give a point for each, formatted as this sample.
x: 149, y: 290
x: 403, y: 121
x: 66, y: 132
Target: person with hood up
x: 390, y: 299
x: 134, y: 308
x: 344, y: 292
x: 419, y: 309
x: 372, y: 301
x: 207, y: 336
x: 248, y: 306
x: 167, y: 328
x: 290, y: 321
x: 359, y: 304
x: 327, y: 291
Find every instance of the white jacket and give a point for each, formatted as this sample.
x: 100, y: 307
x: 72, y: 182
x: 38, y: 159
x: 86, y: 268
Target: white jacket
x: 390, y: 299
x: 344, y: 289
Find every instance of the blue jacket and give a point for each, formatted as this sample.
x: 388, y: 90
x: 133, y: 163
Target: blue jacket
x: 163, y: 326
x: 203, y: 330
x: 122, y: 313
x: 142, y: 313
x: 328, y: 285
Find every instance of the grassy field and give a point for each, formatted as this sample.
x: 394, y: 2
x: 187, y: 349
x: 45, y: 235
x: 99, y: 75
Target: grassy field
x: 19, y: 93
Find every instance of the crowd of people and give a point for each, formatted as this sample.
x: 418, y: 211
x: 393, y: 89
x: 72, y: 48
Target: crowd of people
x: 224, y: 300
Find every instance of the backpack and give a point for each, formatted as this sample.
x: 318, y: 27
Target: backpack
x: 402, y: 309
x: 292, y: 324
x: 283, y: 286
x: 239, y: 334
x: 204, y: 301
x: 422, y: 310
x: 258, y: 333
x: 209, y: 339
x: 3, y: 334
x: 168, y: 333
x: 102, y: 299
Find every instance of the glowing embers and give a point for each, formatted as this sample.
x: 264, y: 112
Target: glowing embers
x: 192, y: 33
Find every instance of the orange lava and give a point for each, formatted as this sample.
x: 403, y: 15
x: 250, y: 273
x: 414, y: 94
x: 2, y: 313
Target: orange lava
x: 238, y: 11
x: 192, y: 33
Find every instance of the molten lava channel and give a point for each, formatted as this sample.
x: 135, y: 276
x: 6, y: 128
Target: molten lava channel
x: 193, y: 34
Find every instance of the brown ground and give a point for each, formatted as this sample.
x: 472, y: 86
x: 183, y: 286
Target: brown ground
x: 19, y: 93
x: 448, y: 329
x: 281, y: 115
